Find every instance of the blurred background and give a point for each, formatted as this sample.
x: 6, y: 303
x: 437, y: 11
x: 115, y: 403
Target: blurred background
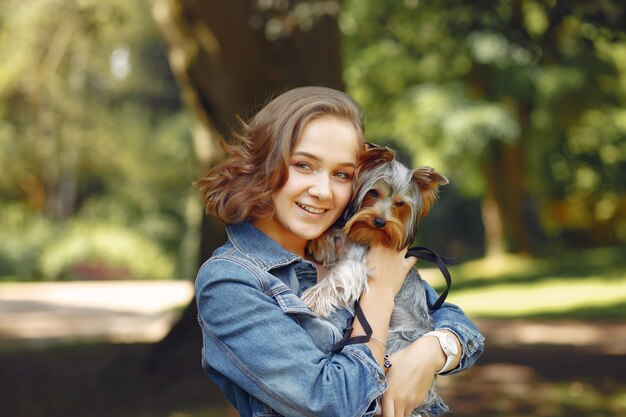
x: 109, y: 110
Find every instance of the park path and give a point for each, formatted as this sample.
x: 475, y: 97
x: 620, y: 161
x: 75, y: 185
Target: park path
x: 41, y: 314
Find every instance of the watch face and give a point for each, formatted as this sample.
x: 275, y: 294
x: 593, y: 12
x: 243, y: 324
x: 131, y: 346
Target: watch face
x: 451, y: 344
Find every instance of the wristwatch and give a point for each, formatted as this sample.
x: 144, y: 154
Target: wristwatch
x: 448, y: 346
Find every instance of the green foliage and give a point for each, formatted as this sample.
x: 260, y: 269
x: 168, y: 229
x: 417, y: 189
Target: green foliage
x: 34, y: 247
x: 92, y: 131
x: 444, y: 128
x: 24, y: 235
x: 104, y: 251
x: 446, y: 80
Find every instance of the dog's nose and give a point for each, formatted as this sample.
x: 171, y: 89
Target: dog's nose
x: 379, y: 223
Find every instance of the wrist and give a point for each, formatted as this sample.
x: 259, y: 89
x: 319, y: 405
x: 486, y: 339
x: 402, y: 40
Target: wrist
x: 380, y: 292
x: 448, y: 347
x: 429, y: 350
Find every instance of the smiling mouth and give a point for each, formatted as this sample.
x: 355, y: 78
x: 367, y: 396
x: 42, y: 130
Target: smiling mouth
x: 310, y: 209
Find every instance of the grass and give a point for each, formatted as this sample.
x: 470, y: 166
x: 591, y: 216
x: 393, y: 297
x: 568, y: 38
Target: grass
x: 553, y: 296
x: 588, y: 284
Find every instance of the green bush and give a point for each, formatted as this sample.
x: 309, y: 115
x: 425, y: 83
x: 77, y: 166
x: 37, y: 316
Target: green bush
x: 88, y: 250
x: 34, y: 247
x: 24, y: 235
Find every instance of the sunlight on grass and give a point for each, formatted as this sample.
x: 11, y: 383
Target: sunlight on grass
x: 590, y: 283
x: 505, y: 264
x: 554, y: 295
x: 601, y: 260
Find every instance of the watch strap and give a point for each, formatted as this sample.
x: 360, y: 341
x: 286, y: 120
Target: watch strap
x: 447, y: 350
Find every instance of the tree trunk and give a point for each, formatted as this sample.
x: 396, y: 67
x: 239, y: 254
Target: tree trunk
x: 504, y: 215
x: 226, y: 66
x: 492, y: 224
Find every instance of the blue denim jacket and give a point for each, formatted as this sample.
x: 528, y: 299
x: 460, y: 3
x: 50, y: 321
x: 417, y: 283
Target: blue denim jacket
x: 270, y: 354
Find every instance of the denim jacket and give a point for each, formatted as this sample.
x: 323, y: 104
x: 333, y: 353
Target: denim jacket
x: 270, y: 354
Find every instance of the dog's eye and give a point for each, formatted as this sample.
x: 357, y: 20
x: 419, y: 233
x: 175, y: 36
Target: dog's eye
x: 373, y: 193
x: 399, y: 203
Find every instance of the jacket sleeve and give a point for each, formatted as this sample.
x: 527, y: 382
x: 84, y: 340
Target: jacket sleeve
x: 251, y: 341
x: 451, y: 317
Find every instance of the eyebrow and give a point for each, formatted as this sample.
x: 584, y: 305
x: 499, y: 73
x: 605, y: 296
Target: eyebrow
x: 316, y: 158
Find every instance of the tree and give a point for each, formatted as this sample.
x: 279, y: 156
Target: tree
x: 229, y: 58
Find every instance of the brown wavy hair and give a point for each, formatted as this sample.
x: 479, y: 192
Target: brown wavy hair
x: 241, y: 187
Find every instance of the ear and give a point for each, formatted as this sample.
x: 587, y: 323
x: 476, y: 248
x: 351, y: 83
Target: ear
x: 428, y: 181
x: 375, y: 155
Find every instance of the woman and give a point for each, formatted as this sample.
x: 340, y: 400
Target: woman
x: 288, y: 179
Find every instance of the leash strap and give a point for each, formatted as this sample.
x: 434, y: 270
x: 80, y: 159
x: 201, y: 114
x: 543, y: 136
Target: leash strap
x: 347, y: 340
x: 429, y: 255
x: 419, y: 252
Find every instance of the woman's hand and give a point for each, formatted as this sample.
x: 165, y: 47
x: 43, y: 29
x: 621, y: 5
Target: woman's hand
x: 411, y: 376
x: 389, y: 267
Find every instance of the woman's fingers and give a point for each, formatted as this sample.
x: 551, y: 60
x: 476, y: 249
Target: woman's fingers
x: 389, y: 266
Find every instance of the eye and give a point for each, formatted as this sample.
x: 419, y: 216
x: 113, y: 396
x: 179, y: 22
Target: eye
x: 399, y: 204
x: 303, y: 166
x: 373, y: 193
x: 343, y: 175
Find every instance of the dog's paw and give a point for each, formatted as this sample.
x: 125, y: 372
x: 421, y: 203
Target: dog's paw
x: 321, y: 299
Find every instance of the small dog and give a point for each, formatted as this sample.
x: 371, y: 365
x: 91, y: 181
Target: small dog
x: 388, y: 201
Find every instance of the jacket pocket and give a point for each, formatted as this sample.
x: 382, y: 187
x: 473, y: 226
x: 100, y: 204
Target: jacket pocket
x: 292, y: 304
x: 322, y: 332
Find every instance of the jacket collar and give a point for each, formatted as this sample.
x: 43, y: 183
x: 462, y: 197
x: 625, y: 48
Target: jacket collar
x: 252, y: 242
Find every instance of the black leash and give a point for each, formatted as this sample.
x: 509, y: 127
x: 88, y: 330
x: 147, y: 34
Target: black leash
x: 419, y: 252
x: 426, y: 254
x: 347, y: 340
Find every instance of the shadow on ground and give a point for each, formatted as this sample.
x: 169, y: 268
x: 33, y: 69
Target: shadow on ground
x: 122, y: 380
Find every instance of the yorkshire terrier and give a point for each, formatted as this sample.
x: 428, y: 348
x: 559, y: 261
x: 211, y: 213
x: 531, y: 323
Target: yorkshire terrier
x: 388, y: 201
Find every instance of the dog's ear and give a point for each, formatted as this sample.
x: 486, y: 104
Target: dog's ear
x: 375, y: 155
x: 428, y: 181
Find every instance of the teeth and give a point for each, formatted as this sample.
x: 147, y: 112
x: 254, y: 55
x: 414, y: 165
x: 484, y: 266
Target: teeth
x: 310, y: 209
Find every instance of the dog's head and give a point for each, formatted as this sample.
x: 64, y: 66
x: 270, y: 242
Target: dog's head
x: 389, y: 199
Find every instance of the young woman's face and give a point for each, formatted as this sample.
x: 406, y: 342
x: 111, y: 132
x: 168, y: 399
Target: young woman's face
x: 319, y: 185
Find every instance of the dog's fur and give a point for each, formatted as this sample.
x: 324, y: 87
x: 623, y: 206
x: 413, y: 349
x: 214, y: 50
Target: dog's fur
x: 388, y: 201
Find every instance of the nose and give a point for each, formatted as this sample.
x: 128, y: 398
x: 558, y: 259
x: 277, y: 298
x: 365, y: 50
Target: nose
x: 321, y: 187
x: 379, y: 222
